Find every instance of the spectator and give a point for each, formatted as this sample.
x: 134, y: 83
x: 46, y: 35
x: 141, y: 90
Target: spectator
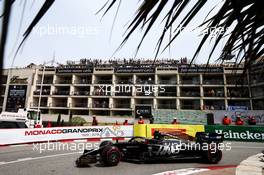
x: 49, y: 124
x: 94, y: 122
x: 125, y: 122
x: 151, y: 119
x: 174, y: 122
x: 37, y: 125
x: 226, y: 120
x: 252, y: 120
x: 141, y: 121
x: 239, y: 121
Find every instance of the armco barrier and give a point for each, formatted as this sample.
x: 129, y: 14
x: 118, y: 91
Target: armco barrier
x: 238, y: 133
x: 146, y: 130
x: 18, y: 136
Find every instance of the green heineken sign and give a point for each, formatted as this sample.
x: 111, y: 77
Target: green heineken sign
x: 238, y: 133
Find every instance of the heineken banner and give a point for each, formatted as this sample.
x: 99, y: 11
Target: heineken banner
x: 238, y: 133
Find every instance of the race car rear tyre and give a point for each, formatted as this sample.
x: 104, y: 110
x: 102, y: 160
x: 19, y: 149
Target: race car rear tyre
x: 213, y: 157
x: 110, y: 156
x: 104, y: 143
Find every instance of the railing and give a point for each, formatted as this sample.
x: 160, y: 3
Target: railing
x: 167, y: 106
x: 79, y: 105
x: 192, y: 107
x: 63, y: 82
x: 64, y: 105
x: 124, y: 82
x: 123, y: 93
x: 103, y: 82
x: 100, y: 105
x: 122, y: 105
x: 101, y: 93
x: 83, y: 81
x: 214, y: 94
x: 44, y: 92
x: 146, y: 93
x: 59, y: 92
x: 214, y: 107
x: 36, y: 105
x: 172, y: 82
x: 196, y: 82
x: 190, y: 94
x: 81, y: 93
x: 45, y: 82
x: 167, y: 94
x: 237, y: 93
x: 145, y: 82
x: 213, y: 82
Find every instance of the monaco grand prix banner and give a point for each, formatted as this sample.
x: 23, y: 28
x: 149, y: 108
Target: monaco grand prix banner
x: 238, y: 133
x: 16, y: 136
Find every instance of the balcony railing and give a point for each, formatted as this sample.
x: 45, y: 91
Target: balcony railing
x: 146, y: 93
x: 195, y: 82
x: 124, y: 82
x: 167, y: 94
x: 63, y: 105
x: 63, y: 82
x: 83, y: 81
x: 35, y: 104
x: 79, y: 105
x: 103, y: 82
x: 214, y: 94
x: 166, y: 106
x: 101, y: 93
x: 190, y: 94
x: 45, y: 82
x: 192, y: 107
x: 213, y: 107
x: 44, y: 92
x: 145, y: 82
x: 172, y: 82
x: 122, y: 105
x: 61, y: 92
x: 123, y: 93
x: 81, y: 93
x: 237, y: 93
x: 213, y: 82
x: 100, y: 105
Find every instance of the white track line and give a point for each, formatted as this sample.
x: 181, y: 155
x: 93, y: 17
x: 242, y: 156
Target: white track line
x: 186, y: 171
x: 37, y: 158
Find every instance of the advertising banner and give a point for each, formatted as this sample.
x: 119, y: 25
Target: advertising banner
x: 15, y: 136
x: 238, y: 133
x: 147, y: 130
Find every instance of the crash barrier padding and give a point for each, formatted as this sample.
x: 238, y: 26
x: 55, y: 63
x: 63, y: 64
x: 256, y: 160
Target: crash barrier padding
x: 147, y: 130
x: 18, y: 136
x: 238, y: 133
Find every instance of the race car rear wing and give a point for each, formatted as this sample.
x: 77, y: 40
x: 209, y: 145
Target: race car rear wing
x: 207, y: 137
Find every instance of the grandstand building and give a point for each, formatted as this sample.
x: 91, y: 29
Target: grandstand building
x: 117, y: 87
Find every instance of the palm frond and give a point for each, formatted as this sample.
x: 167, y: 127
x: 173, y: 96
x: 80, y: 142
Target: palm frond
x: 246, y: 17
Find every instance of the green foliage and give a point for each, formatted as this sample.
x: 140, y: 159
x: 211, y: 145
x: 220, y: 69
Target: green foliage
x: 78, y: 121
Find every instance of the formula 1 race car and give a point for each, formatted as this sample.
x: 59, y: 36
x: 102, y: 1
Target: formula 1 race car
x: 164, y: 146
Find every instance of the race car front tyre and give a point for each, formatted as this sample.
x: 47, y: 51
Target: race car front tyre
x: 110, y: 156
x: 213, y: 157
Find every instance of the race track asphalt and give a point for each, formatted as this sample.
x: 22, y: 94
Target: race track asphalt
x: 27, y: 160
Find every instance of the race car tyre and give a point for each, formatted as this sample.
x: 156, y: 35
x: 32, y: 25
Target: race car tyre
x: 213, y: 157
x: 110, y: 156
x: 104, y: 143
